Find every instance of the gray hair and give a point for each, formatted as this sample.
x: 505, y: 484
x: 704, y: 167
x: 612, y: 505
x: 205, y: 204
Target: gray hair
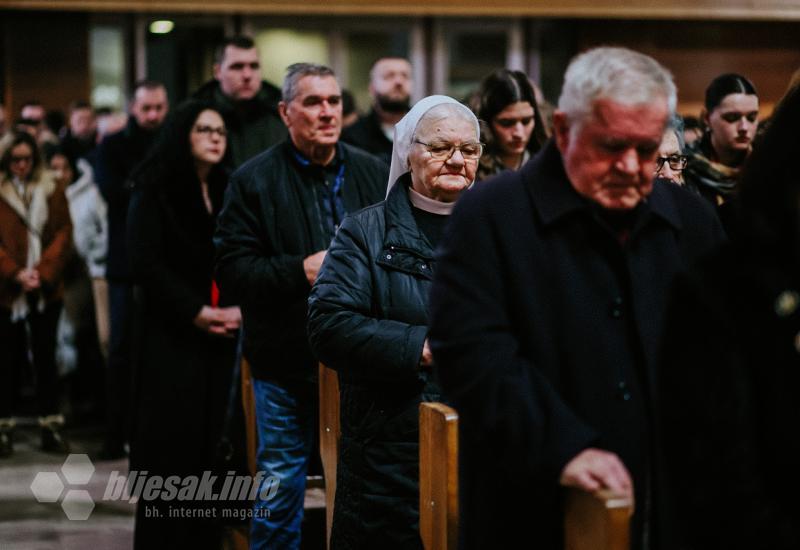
x: 675, y: 125
x: 296, y: 71
x: 618, y: 74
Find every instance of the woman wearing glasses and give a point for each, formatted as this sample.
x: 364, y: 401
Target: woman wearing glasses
x: 512, y: 125
x: 671, y: 161
x: 731, y: 119
x: 35, y: 243
x: 185, y: 330
x: 368, y: 320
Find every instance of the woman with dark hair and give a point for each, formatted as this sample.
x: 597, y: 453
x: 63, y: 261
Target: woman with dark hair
x: 184, y: 328
x: 511, y: 123
x: 731, y: 121
x: 728, y: 385
x: 35, y: 242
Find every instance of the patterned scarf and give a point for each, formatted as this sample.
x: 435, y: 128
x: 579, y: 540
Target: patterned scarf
x: 708, y: 175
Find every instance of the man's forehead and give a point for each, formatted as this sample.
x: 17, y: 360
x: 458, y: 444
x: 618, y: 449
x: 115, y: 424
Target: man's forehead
x: 234, y: 54
x: 392, y: 65
x: 648, y: 117
x: 150, y: 96
x: 317, y: 86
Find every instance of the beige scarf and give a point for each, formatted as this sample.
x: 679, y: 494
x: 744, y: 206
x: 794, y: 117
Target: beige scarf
x: 31, y: 206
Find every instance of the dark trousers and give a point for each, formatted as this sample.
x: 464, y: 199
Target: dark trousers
x: 118, y: 392
x: 36, y: 334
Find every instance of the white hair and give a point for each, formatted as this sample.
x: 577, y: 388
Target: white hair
x: 619, y: 74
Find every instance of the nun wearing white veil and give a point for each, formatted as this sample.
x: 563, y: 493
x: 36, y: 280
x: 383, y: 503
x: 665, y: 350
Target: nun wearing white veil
x: 368, y: 320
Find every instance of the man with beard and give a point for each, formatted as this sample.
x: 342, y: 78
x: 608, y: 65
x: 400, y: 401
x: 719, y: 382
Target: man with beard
x: 390, y: 88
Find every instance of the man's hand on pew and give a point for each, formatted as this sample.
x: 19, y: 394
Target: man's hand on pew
x: 595, y: 469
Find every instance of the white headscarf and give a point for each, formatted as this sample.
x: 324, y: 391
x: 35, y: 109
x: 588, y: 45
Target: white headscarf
x: 404, y: 133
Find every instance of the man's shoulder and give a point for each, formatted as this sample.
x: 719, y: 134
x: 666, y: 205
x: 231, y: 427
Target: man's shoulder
x: 364, y: 130
x: 355, y: 154
x: 268, y: 166
x: 497, y: 192
x: 270, y: 93
x: 207, y: 90
x: 691, y: 207
x: 117, y: 139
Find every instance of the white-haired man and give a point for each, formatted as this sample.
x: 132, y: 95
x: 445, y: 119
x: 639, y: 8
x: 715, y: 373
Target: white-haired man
x: 548, y: 301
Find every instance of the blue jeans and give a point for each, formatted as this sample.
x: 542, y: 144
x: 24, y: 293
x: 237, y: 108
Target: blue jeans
x: 286, y: 420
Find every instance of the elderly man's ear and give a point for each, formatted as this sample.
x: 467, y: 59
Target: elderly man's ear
x: 561, y: 129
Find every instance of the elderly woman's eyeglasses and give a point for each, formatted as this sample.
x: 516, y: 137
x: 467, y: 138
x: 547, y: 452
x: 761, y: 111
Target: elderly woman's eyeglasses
x: 443, y: 151
x: 676, y: 162
x: 208, y: 130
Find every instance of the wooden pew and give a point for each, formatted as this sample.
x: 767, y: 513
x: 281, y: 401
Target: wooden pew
x: 593, y: 521
x: 597, y: 521
x: 329, y: 433
x: 438, y: 476
x: 249, y: 406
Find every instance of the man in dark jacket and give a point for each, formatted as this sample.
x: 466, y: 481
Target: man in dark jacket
x: 390, y: 87
x: 547, y: 307
x: 117, y: 156
x: 281, y: 211
x: 248, y: 104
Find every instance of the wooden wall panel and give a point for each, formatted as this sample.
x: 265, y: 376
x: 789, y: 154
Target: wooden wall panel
x: 696, y: 52
x: 657, y: 9
x: 46, y: 57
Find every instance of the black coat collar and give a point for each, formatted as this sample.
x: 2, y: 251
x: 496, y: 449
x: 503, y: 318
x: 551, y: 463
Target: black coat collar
x: 554, y: 197
x: 401, y: 228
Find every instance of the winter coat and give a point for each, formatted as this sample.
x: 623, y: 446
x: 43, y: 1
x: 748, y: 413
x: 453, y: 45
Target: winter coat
x: 117, y: 156
x: 368, y: 317
x: 89, y: 220
x: 270, y: 223
x: 728, y: 403
x: 56, y: 238
x: 545, y: 330
x: 367, y: 134
x: 253, y: 125
x: 182, y: 372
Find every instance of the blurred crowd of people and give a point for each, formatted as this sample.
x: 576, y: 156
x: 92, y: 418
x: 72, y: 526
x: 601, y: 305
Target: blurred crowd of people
x: 143, y: 254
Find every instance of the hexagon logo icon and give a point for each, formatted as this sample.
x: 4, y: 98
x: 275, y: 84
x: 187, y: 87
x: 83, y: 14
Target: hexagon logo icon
x: 47, y: 487
x: 77, y: 504
x: 77, y: 469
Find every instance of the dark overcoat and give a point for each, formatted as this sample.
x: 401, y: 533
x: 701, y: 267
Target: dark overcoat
x: 545, y: 331
x: 183, y: 373
x: 728, y: 403
x: 272, y: 221
x: 368, y: 317
x: 117, y: 156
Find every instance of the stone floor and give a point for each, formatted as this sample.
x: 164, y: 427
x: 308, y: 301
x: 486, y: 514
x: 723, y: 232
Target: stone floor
x: 27, y: 524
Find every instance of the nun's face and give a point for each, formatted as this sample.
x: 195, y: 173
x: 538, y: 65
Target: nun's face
x: 444, y: 158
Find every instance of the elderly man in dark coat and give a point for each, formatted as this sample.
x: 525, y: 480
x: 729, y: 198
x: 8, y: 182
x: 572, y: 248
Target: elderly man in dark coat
x: 548, y: 302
